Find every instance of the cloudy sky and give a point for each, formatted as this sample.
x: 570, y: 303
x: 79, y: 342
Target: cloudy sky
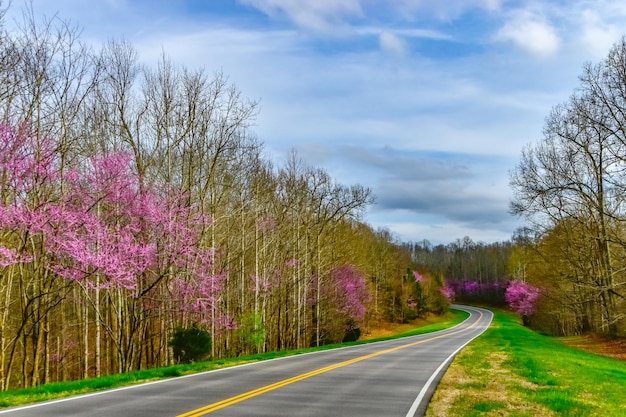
x: 427, y: 102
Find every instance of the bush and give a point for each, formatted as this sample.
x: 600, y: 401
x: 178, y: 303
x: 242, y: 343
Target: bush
x: 190, y: 344
x: 352, y: 335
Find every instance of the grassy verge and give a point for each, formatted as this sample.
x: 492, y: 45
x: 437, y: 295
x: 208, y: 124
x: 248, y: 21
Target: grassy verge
x: 513, y: 371
x: 65, y: 389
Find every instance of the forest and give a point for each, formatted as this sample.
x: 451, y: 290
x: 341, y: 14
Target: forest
x: 139, y: 213
x: 570, y: 187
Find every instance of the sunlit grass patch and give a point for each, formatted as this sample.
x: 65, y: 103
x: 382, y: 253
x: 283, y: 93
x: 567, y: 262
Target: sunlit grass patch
x: 562, y: 402
x: 533, y: 371
x: 486, y: 406
x: 532, y: 375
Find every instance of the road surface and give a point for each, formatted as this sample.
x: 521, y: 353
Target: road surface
x: 391, y: 378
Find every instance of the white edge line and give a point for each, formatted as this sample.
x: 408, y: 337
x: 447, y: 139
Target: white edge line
x: 129, y: 387
x: 422, y: 393
x: 143, y: 384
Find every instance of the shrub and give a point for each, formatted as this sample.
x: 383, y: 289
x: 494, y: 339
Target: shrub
x: 190, y: 344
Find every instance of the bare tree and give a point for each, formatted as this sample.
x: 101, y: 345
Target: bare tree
x: 575, y: 176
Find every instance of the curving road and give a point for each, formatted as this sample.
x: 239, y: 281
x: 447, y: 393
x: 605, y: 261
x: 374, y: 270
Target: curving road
x: 391, y: 378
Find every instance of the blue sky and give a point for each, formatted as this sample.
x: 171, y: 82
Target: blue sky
x: 427, y: 102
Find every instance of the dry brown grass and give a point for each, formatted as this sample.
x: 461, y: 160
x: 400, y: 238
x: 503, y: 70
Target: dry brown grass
x: 459, y: 393
x: 613, y: 348
x: 386, y: 329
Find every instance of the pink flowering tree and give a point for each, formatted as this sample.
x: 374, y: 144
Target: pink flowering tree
x: 29, y: 178
x: 448, y: 292
x: 344, y: 296
x: 99, y: 225
x: 115, y: 232
x: 352, y: 292
x: 197, y: 293
x: 88, y: 223
x: 473, y: 291
x: 522, y: 297
x: 28, y: 172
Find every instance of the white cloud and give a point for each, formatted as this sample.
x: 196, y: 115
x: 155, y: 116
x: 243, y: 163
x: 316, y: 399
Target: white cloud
x: 423, y: 33
x: 392, y: 44
x: 598, y: 35
x: 321, y: 15
x: 327, y: 15
x: 395, y: 41
x: 531, y: 32
x: 445, y: 10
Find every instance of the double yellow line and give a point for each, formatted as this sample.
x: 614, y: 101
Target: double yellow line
x: 259, y: 391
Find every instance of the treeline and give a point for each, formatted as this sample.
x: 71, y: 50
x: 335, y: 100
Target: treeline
x: 464, y: 259
x: 570, y: 186
x: 473, y: 272
x: 136, y: 202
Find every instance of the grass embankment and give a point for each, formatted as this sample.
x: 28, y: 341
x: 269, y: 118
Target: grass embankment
x: 64, y: 389
x: 513, y: 371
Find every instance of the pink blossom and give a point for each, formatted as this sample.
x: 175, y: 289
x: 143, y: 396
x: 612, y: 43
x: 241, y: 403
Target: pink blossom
x: 109, y: 223
x: 10, y: 256
x: 522, y: 297
x: 292, y: 263
x: 448, y: 292
x: 260, y: 283
x: 109, y: 229
x: 418, y: 276
x: 471, y: 286
x: 351, y: 292
x: 27, y: 162
x: 267, y: 224
x: 198, y: 294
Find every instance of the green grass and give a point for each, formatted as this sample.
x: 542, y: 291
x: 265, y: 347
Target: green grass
x: 514, y: 371
x: 486, y: 406
x: 64, y: 389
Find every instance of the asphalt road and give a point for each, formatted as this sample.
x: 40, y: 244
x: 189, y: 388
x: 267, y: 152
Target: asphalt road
x: 392, y: 378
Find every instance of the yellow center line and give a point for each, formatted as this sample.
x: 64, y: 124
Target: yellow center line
x: 267, y: 388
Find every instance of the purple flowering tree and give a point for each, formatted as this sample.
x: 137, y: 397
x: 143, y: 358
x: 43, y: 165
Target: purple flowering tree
x: 100, y: 226
x: 522, y: 297
x: 344, y: 296
x: 448, y: 292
